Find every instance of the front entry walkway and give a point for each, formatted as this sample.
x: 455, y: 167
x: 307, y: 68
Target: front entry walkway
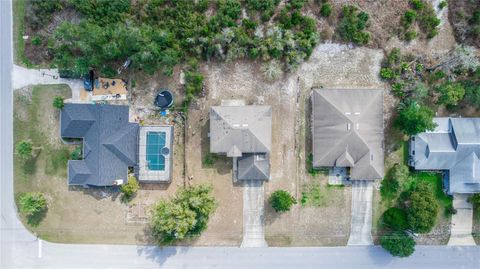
x: 361, y: 226
x: 461, y: 227
x: 253, y: 214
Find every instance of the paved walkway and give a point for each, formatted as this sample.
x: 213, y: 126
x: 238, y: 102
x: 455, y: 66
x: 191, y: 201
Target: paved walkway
x: 461, y: 227
x: 253, y: 214
x: 361, y: 225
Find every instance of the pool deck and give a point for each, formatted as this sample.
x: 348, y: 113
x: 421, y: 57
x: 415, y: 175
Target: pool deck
x: 154, y: 176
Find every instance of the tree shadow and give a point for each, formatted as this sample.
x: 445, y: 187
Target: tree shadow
x: 29, y: 166
x: 35, y: 219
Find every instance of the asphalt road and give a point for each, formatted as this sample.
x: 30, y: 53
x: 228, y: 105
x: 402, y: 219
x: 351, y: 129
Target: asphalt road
x: 20, y: 249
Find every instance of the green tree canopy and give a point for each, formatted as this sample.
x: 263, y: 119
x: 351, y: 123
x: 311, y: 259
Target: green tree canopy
x: 282, y: 201
x: 24, y: 149
x: 422, y: 208
x: 395, y: 179
x: 395, y: 219
x: 185, y: 215
x: 398, y: 244
x: 414, y: 118
x: 451, y: 93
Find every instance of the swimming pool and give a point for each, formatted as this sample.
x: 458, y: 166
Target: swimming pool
x: 155, y: 150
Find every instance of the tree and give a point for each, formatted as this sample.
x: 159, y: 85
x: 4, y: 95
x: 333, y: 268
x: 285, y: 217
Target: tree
x: 414, y: 118
x: 398, y: 244
x: 352, y: 25
x: 24, y: 149
x: 422, y: 208
x: 185, y: 215
x: 130, y: 189
x: 396, y: 178
x: 451, y: 93
x: 395, y: 219
x: 32, y: 203
x: 282, y: 201
x: 58, y: 102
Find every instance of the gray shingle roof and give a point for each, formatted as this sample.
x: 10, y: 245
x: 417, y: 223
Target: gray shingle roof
x: 235, y: 130
x: 253, y: 167
x: 110, y: 143
x: 244, y: 132
x: 347, y: 127
x: 453, y: 146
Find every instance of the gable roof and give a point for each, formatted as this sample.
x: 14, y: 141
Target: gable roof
x: 253, y: 167
x: 235, y: 130
x: 109, y: 142
x: 454, y: 146
x: 347, y: 126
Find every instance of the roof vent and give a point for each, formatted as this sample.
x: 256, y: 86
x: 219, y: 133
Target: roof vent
x: 348, y: 113
x: 357, y: 113
x: 357, y: 126
x: 348, y: 126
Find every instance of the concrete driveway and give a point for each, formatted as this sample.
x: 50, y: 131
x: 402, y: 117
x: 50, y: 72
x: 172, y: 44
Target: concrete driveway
x: 361, y: 226
x: 253, y: 214
x: 461, y: 225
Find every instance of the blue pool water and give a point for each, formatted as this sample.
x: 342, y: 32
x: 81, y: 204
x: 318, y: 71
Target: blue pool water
x: 155, y: 144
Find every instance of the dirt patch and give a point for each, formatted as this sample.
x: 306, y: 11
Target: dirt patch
x: 461, y: 12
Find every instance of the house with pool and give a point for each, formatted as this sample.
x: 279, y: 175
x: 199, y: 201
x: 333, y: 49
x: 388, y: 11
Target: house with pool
x: 113, y: 146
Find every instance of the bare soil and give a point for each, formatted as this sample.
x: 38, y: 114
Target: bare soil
x: 460, y: 12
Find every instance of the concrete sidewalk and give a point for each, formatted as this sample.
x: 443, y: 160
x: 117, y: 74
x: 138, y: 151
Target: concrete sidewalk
x: 462, y: 222
x: 253, y: 214
x: 361, y: 225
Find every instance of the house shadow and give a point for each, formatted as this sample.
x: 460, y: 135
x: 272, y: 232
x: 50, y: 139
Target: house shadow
x: 308, y: 134
x: 221, y: 163
x: 99, y: 193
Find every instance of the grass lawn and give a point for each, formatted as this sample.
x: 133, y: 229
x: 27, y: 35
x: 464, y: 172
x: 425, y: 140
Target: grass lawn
x: 440, y: 233
x: 18, y: 32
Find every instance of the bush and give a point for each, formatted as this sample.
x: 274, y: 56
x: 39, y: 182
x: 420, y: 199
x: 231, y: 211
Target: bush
x: 442, y: 5
x: 408, y: 18
x: 209, y: 159
x: 398, y: 244
x: 193, y: 83
x: 397, y: 177
x: 32, y: 203
x: 414, y: 118
x: 451, y: 93
x: 36, y: 41
x: 282, y: 201
x: 352, y: 25
x: 417, y: 4
x: 422, y: 208
x: 271, y: 70
x: 24, y: 149
x: 410, y: 35
x: 76, y: 154
x: 475, y: 200
x: 129, y: 189
x: 395, y: 219
x: 326, y: 9
x: 58, y: 102
x: 387, y: 73
x: 185, y: 215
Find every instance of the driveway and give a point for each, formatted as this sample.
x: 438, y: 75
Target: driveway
x: 361, y: 226
x: 253, y: 214
x: 461, y: 227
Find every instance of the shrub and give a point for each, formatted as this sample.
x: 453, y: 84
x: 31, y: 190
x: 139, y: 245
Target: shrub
x: 185, y: 215
x: 475, y: 200
x: 397, y: 177
x: 410, y: 35
x: 129, y: 189
x: 422, y: 208
x: 442, y: 4
x: 451, y: 93
x: 417, y: 4
x: 76, y: 154
x: 58, y: 102
x: 32, y: 203
x: 193, y: 83
x: 387, y: 73
x: 326, y: 9
x: 282, y: 201
x: 398, y: 244
x: 395, y: 219
x: 36, y: 41
x: 414, y: 118
x: 408, y: 18
x: 352, y: 25
x: 209, y: 159
x: 24, y: 149
x: 271, y: 70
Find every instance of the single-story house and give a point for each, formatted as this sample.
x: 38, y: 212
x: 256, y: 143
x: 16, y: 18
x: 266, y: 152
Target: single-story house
x: 452, y: 147
x: 347, y: 131
x: 245, y: 134
x: 110, y: 145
